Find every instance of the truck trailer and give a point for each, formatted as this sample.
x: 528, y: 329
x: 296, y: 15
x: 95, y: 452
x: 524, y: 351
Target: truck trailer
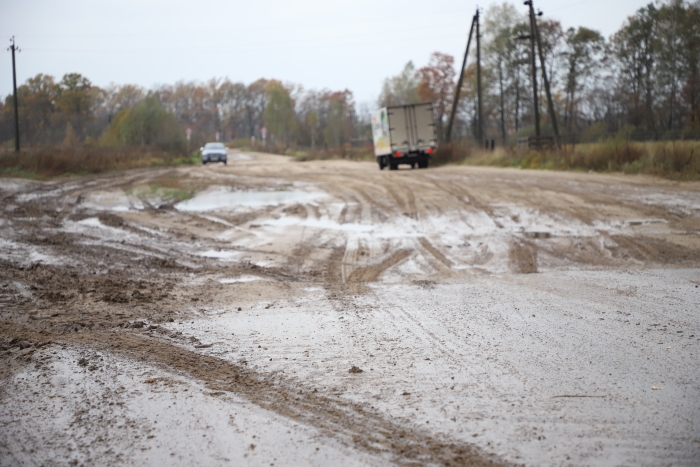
x: 404, y: 134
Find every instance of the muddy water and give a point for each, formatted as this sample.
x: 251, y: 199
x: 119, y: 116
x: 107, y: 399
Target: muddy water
x: 222, y: 198
x: 490, y: 317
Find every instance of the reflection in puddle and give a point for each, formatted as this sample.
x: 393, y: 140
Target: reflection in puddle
x: 222, y: 198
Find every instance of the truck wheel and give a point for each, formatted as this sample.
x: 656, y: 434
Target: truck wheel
x: 413, y: 165
x: 425, y: 164
x: 382, y: 162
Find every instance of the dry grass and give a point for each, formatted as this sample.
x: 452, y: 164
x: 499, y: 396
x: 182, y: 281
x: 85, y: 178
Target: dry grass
x: 51, y: 162
x: 671, y: 159
x: 364, y: 153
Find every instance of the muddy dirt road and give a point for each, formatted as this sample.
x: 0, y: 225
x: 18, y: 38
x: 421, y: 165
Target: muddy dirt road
x: 271, y: 312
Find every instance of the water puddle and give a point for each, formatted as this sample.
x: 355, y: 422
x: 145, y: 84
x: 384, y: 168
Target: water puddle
x: 535, y: 234
x: 92, y: 222
x: 223, y: 255
x: 323, y: 224
x: 116, y: 200
x: 233, y: 280
x: 222, y: 198
x: 638, y: 222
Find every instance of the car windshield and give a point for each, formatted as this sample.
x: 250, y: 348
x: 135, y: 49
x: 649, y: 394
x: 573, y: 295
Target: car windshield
x: 214, y: 146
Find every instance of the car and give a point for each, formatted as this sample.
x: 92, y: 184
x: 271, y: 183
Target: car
x: 213, y: 152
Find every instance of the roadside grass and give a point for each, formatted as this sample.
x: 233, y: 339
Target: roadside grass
x: 678, y: 160
x: 347, y: 151
x: 364, y: 153
x: 16, y: 172
x: 61, y: 161
x: 167, y: 189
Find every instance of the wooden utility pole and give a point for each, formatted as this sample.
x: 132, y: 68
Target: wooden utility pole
x: 14, y: 48
x: 550, y: 102
x: 536, y: 106
x: 459, y: 84
x: 480, y: 123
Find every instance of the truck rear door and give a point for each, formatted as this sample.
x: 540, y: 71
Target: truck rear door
x: 425, y: 136
x: 398, y: 128
x: 412, y: 128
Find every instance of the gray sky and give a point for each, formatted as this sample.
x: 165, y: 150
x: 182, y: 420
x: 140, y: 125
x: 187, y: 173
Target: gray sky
x: 318, y: 44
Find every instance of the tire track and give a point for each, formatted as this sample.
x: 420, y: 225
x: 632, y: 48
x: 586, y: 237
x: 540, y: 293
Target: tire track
x: 372, y: 273
x: 347, y: 421
x: 435, y: 252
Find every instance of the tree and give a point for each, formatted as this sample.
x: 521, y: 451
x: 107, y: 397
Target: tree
x: 634, y: 49
x: 73, y: 94
x: 690, y: 62
x: 148, y: 123
x: 501, y: 53
x: 255, y: 103
x: 400, y: 89
x: 337, y: 117
x: 585, y: 47
x: 232, y: 109
x: 437, y: 86
x: 36, y: 107
x: 312, y: 124
x: 279, y: 114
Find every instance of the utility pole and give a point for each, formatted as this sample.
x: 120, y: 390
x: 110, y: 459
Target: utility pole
x: 536, y: 105
x: 14, y: 48
x: 550, y: 102
x: 459, y: 83
x: 480, y: 124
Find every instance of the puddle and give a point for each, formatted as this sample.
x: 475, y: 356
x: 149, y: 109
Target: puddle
x: 223, y: 198
x: 233, y: 280
x: 224, y: 255
x: 117, y: 201
x: 323, y: 224
x: 92, y: 222
x: 637, y: 222
x: 538, y: 234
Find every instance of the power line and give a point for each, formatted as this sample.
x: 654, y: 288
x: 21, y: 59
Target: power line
x: 564, y: 7
x: 257, y: 29
x: 283, y: 45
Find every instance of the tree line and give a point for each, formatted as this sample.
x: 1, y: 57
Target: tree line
x: 643, y: 82
x: 73, y: 110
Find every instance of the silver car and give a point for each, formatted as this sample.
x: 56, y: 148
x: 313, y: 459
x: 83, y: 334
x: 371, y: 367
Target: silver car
x: 213, y: 152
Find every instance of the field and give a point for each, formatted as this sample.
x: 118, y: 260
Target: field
x: 276, y: 312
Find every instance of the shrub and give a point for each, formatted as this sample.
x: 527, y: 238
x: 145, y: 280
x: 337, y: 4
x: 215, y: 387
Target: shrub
x: 146, y: 124
x: 49, y: 162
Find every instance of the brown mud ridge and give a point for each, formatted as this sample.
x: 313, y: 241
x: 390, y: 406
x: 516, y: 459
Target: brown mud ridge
x: 75, y: 271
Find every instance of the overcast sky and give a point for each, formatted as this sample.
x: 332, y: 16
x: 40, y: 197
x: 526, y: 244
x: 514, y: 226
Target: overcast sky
x: 318, y: 44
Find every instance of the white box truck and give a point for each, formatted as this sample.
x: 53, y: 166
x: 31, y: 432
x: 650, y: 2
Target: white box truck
x: 404, y: 134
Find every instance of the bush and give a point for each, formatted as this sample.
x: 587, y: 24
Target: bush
x: 82, y: 160
x: 146, y: 124
x: 672, y: 159
x: 449, y: 153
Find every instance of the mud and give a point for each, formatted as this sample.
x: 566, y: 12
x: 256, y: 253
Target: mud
x: 384, y: 316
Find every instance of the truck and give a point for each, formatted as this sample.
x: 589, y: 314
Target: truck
x: 404, y: 134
